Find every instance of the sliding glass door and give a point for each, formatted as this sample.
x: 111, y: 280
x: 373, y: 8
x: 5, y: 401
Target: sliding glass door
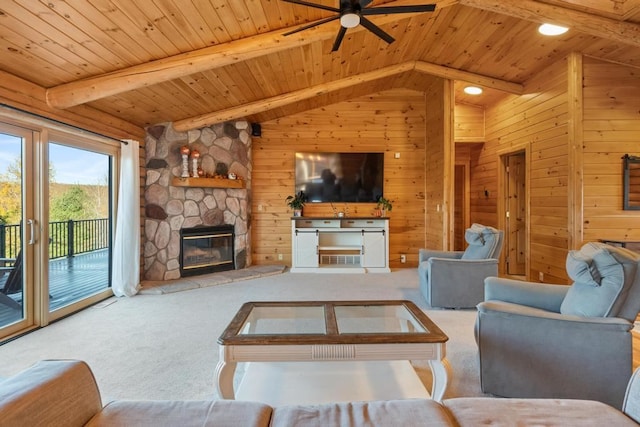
x: 56, y: 223
x: 79, y: 223
x: 16, y: 229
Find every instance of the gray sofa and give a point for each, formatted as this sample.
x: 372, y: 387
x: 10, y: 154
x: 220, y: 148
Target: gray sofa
x: 64, y: 393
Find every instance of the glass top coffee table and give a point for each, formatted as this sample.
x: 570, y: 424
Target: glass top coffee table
x: 392, y: 331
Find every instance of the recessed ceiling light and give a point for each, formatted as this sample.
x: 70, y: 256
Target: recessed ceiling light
x: 472, y: 90
x: 552, y: 30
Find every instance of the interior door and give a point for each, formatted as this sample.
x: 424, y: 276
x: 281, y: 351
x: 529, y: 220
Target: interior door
x: 515, y: 236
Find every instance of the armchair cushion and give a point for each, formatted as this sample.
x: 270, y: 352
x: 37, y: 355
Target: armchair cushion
x: 601, y: 285
x: 582, y: 269
x: 482, y: 240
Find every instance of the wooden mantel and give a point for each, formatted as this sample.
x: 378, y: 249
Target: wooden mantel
x: 177, y: 181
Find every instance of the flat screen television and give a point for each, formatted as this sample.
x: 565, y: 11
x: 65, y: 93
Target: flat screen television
x: 340, y: 177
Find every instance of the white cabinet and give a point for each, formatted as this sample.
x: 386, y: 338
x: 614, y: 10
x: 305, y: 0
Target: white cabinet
x: 374, y: 244
x: 356, y: 245
x: 306, y: 248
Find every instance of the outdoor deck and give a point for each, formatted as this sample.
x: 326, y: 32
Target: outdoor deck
x: 70, y: 279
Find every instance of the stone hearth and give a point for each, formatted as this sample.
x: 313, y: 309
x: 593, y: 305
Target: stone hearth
x: 169, y: 208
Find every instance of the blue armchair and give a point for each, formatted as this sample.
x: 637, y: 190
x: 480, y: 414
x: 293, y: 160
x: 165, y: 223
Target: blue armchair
x: 558, y: 341
x: 455, y: 279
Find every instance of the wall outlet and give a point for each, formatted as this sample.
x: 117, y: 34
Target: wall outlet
x: 403, y: 258
x: 541, y: 276
x: 280, y: 258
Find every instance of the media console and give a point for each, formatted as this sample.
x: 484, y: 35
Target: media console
x: 340, y: 245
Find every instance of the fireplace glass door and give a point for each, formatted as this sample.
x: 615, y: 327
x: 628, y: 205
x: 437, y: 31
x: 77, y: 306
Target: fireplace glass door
x: 206, y: 250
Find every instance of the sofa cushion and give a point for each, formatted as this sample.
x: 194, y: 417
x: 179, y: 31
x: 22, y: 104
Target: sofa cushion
x: 220, y: 413
x: 602, y: 278
x: 410, y: 412
x: 483, y: 411
x: 482, y: 241
x: 43, y: 395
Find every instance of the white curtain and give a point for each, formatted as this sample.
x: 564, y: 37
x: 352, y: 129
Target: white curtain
x: 126, y: 251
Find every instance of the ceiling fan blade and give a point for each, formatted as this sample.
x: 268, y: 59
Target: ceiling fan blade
x: 398, y: 9
x: 365, y: 3
x: 340, y: 36
x: 376, y: 30
x: 317, y: 6
x: 313, y: 24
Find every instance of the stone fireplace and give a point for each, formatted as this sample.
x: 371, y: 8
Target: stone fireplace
x: 170, y: 208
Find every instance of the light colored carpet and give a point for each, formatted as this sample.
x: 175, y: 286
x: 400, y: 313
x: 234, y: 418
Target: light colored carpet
x: 163, y: 346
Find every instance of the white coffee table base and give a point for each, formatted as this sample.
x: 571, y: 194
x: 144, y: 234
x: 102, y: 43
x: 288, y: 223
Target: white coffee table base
x: 299, y: 383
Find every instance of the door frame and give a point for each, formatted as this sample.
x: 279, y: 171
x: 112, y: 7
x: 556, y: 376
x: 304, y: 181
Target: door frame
x: 30, y: 300
x: 81, y: 143
x: 466, y: 197
x: 35, y: 156
x: 523, y: 148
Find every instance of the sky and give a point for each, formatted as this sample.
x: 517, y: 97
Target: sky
x: 71, y: 165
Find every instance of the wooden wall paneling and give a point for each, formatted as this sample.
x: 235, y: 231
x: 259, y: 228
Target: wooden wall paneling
x: 538, y: 118
x: 462, y: 202
x: 439, y: 166
x: 391, y: 122
x: 483, y: 188
x: 448, y: 177
x: 610, y: 130
x: 469, y: 123
x: 576, y: 136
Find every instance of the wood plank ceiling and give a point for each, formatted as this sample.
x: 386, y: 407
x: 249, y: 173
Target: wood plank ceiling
x: 153, y: 61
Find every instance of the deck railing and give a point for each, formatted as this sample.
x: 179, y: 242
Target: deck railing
x: 66, y: 238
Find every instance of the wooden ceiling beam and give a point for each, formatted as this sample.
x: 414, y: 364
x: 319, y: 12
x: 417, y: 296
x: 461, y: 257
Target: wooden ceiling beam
x: 535, y: 11
x: 465, y: 76
x: 255, y: 107
x: 174, y: 67
x: 288, y: 98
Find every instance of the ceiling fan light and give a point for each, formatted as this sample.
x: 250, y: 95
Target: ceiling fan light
x: 552, y: 30
x: 473, y: 90
x: 350, y: 20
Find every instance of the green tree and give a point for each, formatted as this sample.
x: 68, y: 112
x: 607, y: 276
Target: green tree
x: 98, y: 203
x: 72, y: 204
x: 11, y: 191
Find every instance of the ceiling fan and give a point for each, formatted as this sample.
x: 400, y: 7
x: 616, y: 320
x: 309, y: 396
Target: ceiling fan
x: 352, y: 13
